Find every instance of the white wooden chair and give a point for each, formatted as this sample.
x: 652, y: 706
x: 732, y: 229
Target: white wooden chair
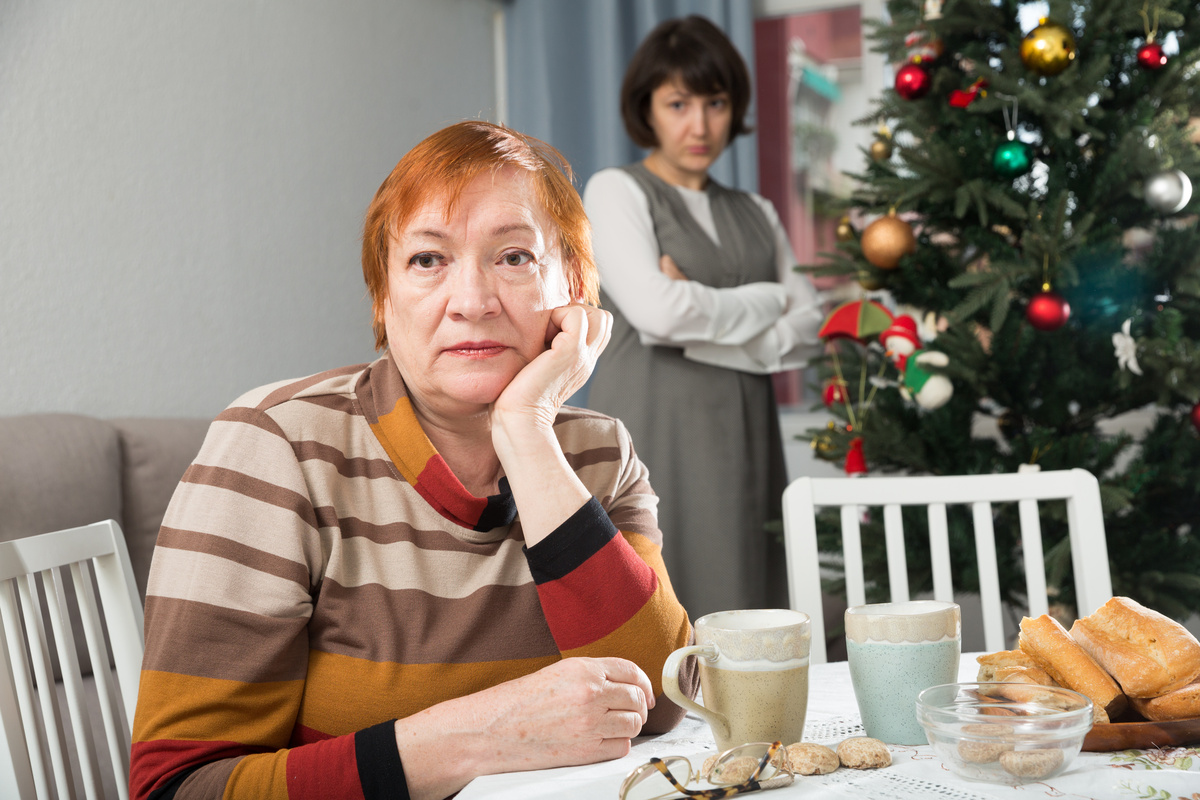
x: 1089, y: 552
x: 34, y: 756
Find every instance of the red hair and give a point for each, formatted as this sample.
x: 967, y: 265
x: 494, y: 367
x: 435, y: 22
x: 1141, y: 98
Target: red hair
x: 443, y: 165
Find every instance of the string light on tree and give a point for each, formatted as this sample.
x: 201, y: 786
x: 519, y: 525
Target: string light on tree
x: 1048, y: 49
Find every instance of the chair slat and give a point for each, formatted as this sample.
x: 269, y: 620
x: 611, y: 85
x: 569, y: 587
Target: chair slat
x: 16, y: 690
x: 98, y: 653
x: 39, y: 653
x: 856, y: 590
x: 1035, y: 562
x: 989, y: 576
x: 939, y: 553
x: 893, y: 531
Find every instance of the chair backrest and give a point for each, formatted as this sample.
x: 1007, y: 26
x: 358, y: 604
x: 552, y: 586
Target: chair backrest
x: 34, y: 758
x: 1079, y: 488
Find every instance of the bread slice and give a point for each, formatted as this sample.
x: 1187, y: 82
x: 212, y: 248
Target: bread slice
x: 1047, y: 642
x: 1148, y: 653
x: 1012, y: 666
x: 1180, y: 704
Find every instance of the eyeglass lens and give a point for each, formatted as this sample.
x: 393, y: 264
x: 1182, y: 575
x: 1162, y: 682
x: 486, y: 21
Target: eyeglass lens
x: 648, y: 782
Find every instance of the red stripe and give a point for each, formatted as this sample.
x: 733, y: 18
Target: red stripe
x: 302, y: 734
x: 438, y: 485
x: 155, y: 762
x: 581, y: 607
x: 324, y: 769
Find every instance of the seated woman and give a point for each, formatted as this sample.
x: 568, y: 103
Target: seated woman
x: 424, y: 569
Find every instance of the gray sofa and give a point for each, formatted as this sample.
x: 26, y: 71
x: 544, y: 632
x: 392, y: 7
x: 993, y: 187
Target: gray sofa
x: 62, y: 470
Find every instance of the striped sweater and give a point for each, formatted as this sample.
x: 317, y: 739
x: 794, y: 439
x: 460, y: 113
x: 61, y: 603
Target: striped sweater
x: 320, y: 573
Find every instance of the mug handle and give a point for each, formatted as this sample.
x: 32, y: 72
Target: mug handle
x: 670, y: 682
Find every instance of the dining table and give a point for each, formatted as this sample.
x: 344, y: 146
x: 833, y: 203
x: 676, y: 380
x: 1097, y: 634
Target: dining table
x: 1156, y: 773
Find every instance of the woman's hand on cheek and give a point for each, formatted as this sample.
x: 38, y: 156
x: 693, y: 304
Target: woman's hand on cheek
x: 576, y: 335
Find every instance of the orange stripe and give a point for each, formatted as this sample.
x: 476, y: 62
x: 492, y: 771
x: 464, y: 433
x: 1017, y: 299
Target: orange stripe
x: 172, y: 706
x: 262, y: 776
x: 355, y: 693
x: 400, y: 425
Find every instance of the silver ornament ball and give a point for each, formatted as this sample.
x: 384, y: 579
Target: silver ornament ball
x: 1168, y: 191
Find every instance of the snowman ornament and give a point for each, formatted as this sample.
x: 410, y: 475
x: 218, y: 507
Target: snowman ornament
x: 903, y: 347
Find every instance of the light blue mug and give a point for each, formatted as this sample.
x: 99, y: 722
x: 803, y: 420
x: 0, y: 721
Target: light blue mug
x: 897, y: 650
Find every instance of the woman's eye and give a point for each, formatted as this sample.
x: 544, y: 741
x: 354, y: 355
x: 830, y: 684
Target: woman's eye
x: 718, y: 102
x: 424, y: 260
x: 517, y: 259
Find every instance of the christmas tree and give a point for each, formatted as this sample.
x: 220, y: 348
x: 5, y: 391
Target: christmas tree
x: 1028, y: 204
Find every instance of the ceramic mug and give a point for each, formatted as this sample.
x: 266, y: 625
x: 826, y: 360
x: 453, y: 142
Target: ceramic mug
x: 753, y: 675
x: 897, y: 650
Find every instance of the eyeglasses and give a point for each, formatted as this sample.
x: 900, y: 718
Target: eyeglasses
x: 745, y: 768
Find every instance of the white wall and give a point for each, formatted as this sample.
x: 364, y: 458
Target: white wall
x: 182, y: 186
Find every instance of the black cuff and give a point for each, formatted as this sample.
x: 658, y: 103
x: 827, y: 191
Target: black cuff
x: 379, y: 769
x: 571, y: 544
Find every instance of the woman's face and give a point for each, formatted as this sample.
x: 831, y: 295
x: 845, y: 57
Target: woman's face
x: 469, y: 296
x: 692, y: 129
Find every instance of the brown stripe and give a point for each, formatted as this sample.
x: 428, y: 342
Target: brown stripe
x: 252, y: 487
x: 595, y: 455
x: 334, y: 401
x: 251, y: 416
x: 235, y: 551
x: 426, y: 539
x: 396, y: 690
x: 211, y: 642
x: 412, y: 627
x: 209, y: 781
x: 290, y: 390
x: 350, y: 467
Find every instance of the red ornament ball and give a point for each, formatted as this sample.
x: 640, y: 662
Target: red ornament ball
x: 835, y: 392
x: 1151, y: 56
x: 1196, y: 416
x: 1047, y: 311
x: 913, y: 82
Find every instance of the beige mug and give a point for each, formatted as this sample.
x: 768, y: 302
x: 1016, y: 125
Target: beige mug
x: 753, y: 675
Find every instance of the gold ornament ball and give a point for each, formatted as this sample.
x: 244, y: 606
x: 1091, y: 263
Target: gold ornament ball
x: 844, y: 231
x: 881, y: 149
x: 1048, y: 49
x: 886, y: 240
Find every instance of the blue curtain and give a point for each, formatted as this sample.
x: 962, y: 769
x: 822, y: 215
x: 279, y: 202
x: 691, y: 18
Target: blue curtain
x: 565, y: 61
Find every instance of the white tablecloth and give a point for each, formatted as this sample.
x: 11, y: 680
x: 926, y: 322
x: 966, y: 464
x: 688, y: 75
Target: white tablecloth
x: 915, y: 771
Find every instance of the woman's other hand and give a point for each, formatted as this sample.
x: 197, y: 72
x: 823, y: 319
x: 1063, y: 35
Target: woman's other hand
x: 668, y: 267
x: 575, y: 711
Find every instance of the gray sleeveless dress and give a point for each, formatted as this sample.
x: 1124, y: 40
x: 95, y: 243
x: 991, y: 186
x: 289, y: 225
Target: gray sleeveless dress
x: 709, y: 436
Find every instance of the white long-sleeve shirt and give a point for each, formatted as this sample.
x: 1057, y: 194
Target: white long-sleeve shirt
x: 757, y: 327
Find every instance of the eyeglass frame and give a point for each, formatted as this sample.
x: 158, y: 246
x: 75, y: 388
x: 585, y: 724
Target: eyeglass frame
x: 786, y: 774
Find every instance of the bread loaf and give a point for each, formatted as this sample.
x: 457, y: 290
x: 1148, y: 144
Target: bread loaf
x: 1148, y: 653
x: 1047, y: 642
x: 1180, y: 704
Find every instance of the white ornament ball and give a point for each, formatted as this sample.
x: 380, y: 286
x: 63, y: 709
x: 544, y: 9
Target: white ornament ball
x: 1168, y: 191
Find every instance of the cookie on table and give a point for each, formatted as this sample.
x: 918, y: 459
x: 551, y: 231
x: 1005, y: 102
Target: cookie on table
x: 863, y: 752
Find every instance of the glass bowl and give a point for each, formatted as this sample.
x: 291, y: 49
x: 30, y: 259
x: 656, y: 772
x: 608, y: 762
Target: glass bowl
x: 1009, y: 733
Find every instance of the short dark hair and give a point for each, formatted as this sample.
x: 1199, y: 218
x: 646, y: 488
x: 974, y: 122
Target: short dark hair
x: 695, y: 51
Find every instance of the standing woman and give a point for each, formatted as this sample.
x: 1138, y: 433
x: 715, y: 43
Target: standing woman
x: 706, y: 304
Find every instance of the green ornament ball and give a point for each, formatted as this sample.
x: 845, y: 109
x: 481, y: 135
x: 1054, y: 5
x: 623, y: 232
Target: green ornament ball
x: 1012, y: 159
